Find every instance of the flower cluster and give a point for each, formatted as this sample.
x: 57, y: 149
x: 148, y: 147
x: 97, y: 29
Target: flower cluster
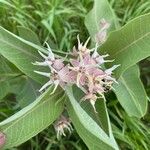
x: 61, y: 125
x: 84, y: 69
x: 101, y: 36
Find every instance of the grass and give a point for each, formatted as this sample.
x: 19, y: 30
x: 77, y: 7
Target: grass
x: 58, y: 22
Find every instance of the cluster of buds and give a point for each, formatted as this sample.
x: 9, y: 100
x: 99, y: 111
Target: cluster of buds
x: 83, y: 69
x: 61, y: 125
x: 101, y: 36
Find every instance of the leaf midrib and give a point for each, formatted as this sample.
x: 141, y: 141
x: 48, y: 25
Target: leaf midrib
x: 38, y: 104
x: 132, y: 43
x: 129, y: 91
x: 16, y: 47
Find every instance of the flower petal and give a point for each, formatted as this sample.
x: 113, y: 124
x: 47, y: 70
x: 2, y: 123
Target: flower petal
x: 50, y: 54
x: 40, y: 63
x: 86, y: 42
x: 74, y: 62
x: 58, y: 64
x: 45, y: 57
x: 43, y: 73
x: 109, y: 71
x: 45, y: 85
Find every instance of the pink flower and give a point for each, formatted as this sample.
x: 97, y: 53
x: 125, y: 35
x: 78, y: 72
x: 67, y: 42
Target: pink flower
x: 58, y: 64
x: 56, y: 77
x: 61, y: 125
x: 58, y: 70
x: 74, y: 52
x: 101, y: 36
x: 99, y: 59
x: 61, y: 77
x: 50, y: 60
x: 84, y: 70
x: 82, y: 49
x: 92, y: 98
x: 66, y: 76
x: 95, y: 84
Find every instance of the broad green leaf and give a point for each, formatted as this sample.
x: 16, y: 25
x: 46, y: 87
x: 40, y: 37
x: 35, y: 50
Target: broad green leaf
x: 130, y: 92
x: 4, y: 89
x: 7, y: 72
x: 32, y: 119
x: 7, y: 69
x: 28, y: 35
x: 21, y: 53
x: 28, y: 92
x: 91, y: 133
x: 132, y: 103
x: 102, y: 116
x: 130, y: 44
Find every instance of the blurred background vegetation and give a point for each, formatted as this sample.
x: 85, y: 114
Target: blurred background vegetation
x: 58, y: 22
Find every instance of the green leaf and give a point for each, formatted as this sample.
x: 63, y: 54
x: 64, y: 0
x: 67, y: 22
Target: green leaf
x: 91, y: 133
x: 7, y: 69
x: 130, y: 92
x: 21, y: 53
x: 4, y: 89
x: 28, y: 92
x: 32, y: 119
x: 102, y: 116
x: 7, y: 72
x: 130, y: 44
x: 28, y: 35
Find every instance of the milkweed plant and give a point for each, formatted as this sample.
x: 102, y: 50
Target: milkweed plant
x: 84, y: 69
x: 74, y: 84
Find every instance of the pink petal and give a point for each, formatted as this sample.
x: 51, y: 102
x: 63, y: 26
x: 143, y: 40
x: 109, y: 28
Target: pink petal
x: 74, y: 52
x: 75, y: 63
x: 64, y: 70
x: 83, y: 79
x: 78, y: 79
x: 67, y: 76
x: 98, y: 89
x: 104, y: 24
x: 62, y: 73
x: 72, y: 76
x: 95, y: 71
x: 92, y: 98
x: 88, y: 96
x: 100, y: 60
x: 58, y: 64
x: 101, y: 36
x: 87, y: 59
